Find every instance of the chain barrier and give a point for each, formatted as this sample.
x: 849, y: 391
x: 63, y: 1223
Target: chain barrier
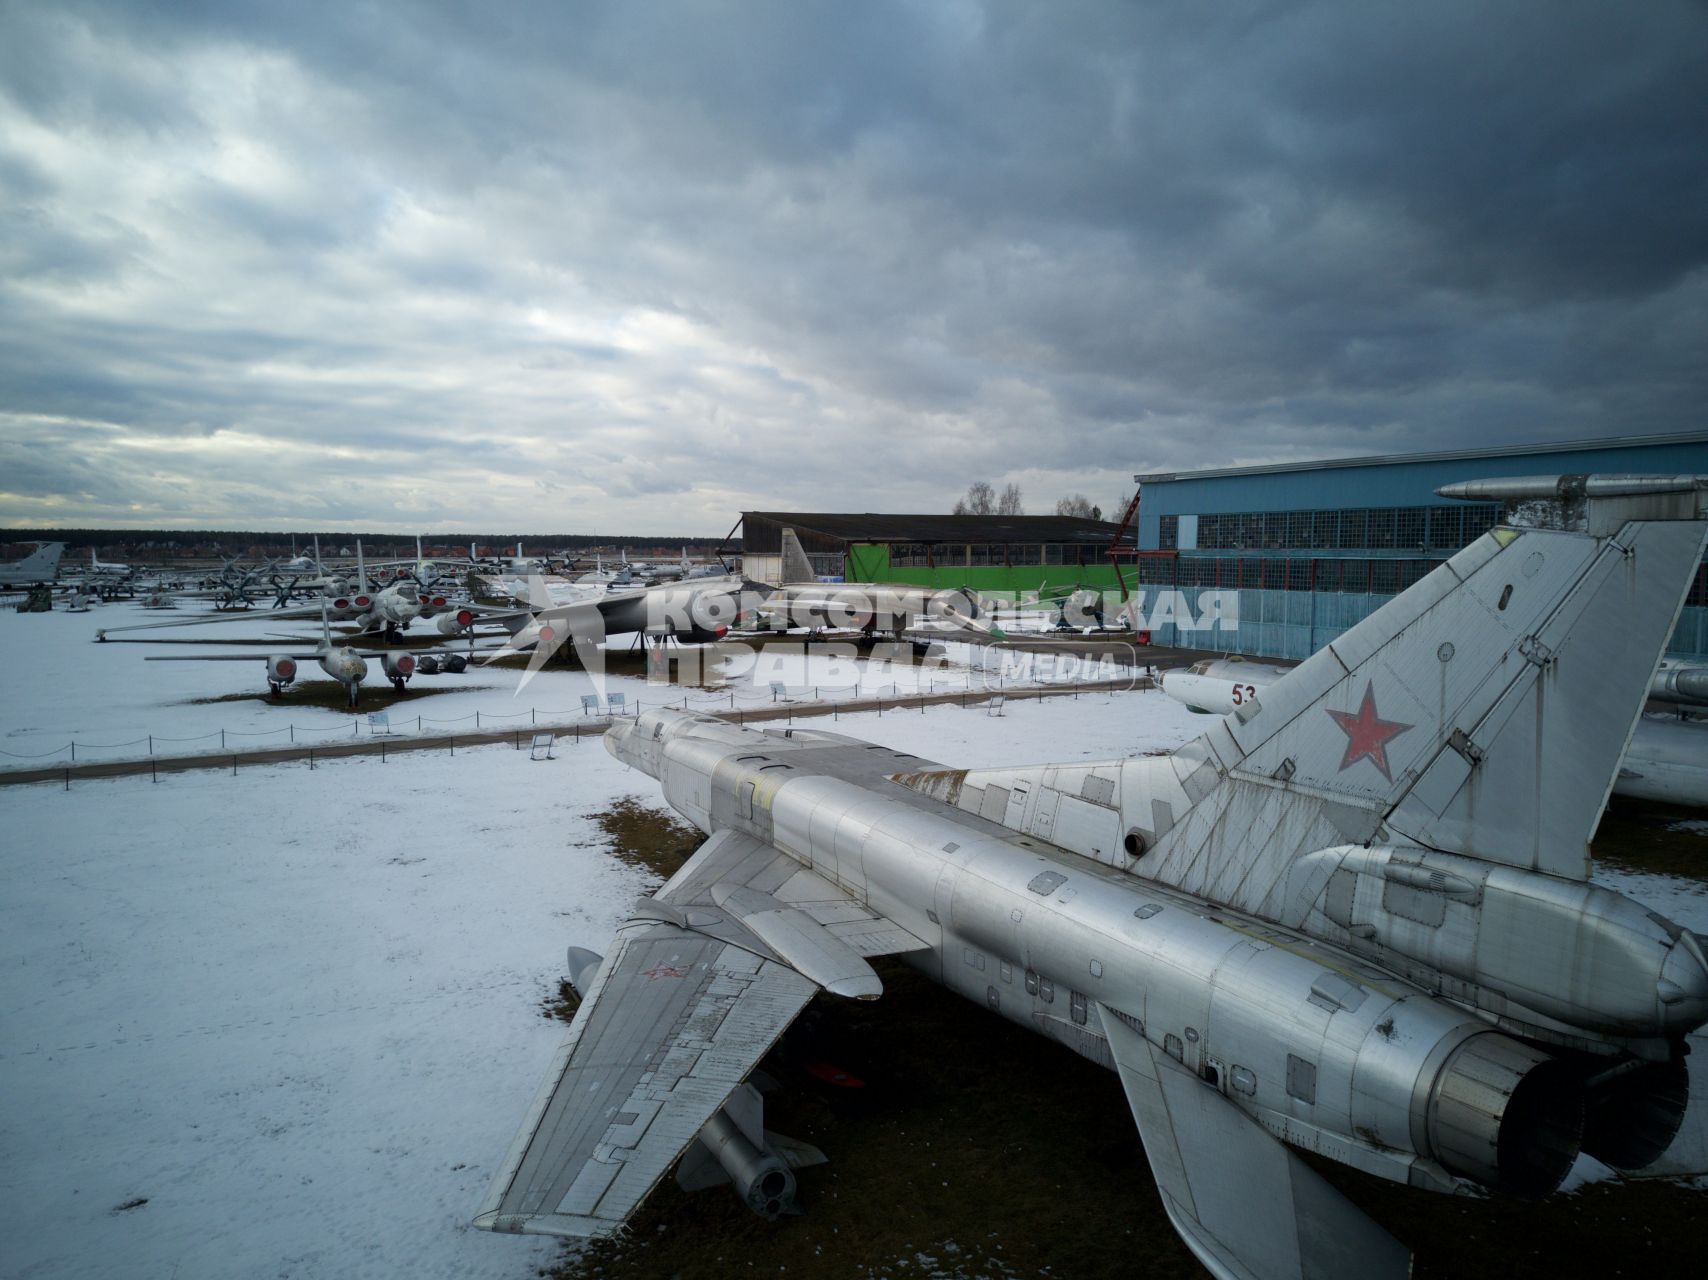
x: 731, y: 697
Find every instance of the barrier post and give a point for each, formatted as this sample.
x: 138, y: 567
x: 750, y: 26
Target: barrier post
x: 311, y: 759
x: 74, y: 749
x: 153, y: 770
x: 233, y: 765
x: 452, y: 742
x: 293, y: 734
x: 477, y: 719
x: 151, y: 745
x: 68, y: 779
x: 382, y: 749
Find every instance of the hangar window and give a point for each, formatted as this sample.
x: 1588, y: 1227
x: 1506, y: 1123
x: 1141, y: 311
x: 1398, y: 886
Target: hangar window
x: 1168, y: 533
x: 1409, y: 527
x: 910, y: 555
x: 987, y: 553
x: 1274, y: 575
x: 1478, y: 521
x: 1353, y: 525
x: 1444, y: 527
x: 1384, y: 577
x: 1381, y: 528
x: 1325, y: 525
x: 1274, y: 529
x: 1298, y: 529
x: 1298, y: 575
x: 1025, y: 553
x: 950, y: 555
x: 1355, y: 576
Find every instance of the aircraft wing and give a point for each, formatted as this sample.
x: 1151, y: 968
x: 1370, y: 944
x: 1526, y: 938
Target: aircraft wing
x: 1248, y: 1208
x: 697, y: 988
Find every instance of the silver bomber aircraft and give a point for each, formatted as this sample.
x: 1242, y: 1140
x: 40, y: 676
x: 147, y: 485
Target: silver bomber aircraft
x: 1353, y: 918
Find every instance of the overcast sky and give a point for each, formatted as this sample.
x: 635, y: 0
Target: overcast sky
x: 634, y: 267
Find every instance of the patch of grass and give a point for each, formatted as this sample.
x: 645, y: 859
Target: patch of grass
x: 1636, y: 836
x: 654, y: 840
x: 560, y: 1004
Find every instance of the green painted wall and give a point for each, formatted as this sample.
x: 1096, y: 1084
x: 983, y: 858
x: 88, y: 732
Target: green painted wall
x: 870, y: 562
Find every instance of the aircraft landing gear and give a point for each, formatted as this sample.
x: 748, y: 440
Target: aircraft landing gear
x: 354, y: 691
x: 276, y: 689
x: 398, y: 683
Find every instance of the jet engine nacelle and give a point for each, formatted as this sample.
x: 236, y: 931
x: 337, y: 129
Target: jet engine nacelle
x: 454, y: 624
x: 398, y: 666
x: 281, y: 670
x: 1678, y: 683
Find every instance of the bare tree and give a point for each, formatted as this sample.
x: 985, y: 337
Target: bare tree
x: 1121, y: 505
x: 1076, y: 504
x: 980, y: 500
x: 1009, y: 503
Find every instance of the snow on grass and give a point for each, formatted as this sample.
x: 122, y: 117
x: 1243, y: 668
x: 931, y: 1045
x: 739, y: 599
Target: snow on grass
x: 60, y: 686
x: 292, y: 1017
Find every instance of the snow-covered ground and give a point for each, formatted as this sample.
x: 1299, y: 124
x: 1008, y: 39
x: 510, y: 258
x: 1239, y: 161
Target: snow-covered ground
x: 298, y: 1011
x: 57, y: 687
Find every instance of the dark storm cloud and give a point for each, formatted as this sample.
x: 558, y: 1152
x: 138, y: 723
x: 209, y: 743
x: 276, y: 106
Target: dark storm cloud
x: 629, y: 266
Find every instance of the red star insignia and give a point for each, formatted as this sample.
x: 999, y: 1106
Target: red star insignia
x: 665, y: 971
x: 1367, y: 734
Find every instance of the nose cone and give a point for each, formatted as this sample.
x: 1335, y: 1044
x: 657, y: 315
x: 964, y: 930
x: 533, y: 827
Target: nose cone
x: 623, y: 740
x: 1683, y: 985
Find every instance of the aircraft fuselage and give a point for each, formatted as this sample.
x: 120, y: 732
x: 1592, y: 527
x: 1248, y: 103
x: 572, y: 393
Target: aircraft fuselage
x: 1314, y: 1043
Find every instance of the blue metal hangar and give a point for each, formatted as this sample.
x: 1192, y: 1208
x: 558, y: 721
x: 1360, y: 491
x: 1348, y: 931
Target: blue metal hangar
x: 1314, y: 547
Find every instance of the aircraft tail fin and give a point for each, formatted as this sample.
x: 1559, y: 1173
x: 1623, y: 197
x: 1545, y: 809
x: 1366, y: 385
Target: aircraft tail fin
x: 1482, y: 712
x: 42, y: 563
x: 796, y: 566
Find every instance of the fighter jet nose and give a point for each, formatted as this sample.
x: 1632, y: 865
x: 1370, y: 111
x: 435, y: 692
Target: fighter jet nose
x: 1683, y: 984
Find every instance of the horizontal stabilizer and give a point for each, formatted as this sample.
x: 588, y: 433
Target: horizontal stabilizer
x: 1248, y: 1208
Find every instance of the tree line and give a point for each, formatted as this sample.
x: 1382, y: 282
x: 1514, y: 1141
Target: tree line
x: 981, y: 499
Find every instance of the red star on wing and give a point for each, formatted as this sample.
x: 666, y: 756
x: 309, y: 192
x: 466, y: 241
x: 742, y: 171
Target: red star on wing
x: 1367, y: 734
